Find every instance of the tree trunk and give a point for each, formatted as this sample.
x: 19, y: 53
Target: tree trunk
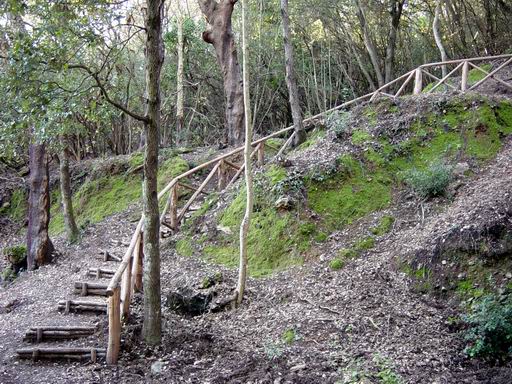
x: 291, y: 81
x: 396, y: 14
x: 39, y: 245
x: 368, y: 43
x: 438, y: 37
x: 246, y: 222
x: 220, y: 34
x: 179, y: 77
x: 66, y: 195
x: 152, y: 327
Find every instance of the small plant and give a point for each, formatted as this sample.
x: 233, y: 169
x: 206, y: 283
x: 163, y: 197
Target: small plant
x: 364, y: 244
x: 431, y: 181
x: 273, y: 350
x: 348, y: 253
x: 337, y: 122
x: 385, y: 225
x: 289, y: 336
x: 490, y: 328
x: 386, y: 373
x: 7, y: 275
x: 336, y: 264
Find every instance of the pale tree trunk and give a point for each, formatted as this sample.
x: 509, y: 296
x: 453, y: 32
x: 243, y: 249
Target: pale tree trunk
x: 368, y: 42
x: 66, y: 195
x: 152, y: 327
x: 291, y: 80
x: 246, y: 222
x: 179, y: 77
x: 220, y: 34
x: 396, y: 13
x: 39, y: 245
x: 437, y: 36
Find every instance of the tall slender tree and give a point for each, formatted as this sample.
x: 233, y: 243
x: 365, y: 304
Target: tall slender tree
x: 291, y: 80
x: 246, y: 222
x: 65, y: 192
x: 438, y: 37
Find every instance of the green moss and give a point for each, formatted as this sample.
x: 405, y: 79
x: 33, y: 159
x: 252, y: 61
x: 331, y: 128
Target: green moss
x: 336, y: 264
x: 360, y: 137
x: 371, y: 115
x: 348, y: 253
x: 8, y: 274
x: 136, y: 160
x: 364, y: 244
x: 475, y: 75
x: 16, y: 210
x: 276, y: 174
x: 289, y: 336
x: 15, y: 254
x: 312, y: 139
x: 466, y: 289
x: 171, y: 168
x: 184, y: 248
x: 384, y: 226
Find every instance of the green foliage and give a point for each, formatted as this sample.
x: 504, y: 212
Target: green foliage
x: 348, y: 253
x: 184, y: 248
x: 137, y: 159
x: 8, y: 274
x: 16, y: 210
x: 289, y: 336
x: 490, y: 328
x: 475, y: 75
x: 364, y: 244
x: 384, y: 226
x: 273, y: 350
x: 337, y: 121
x: 360, y: 137
x: 336, y: 264
x: 15, y: 254
x: 429, y: 182
x: 276, y: 174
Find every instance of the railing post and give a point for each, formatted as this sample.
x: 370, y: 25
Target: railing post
x: 261, y: 153
x: 114, y: 327
x: 464, y: 79
x: 221, y: 176
x: 139, y: 266
x: 126, y: 288
x: 418, y: 82
x: 173, y: 209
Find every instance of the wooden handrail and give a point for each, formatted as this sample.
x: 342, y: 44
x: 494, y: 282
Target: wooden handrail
x: 119, y: 305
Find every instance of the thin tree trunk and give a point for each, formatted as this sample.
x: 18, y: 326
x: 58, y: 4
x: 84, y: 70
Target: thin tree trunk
x: 291, y: 80
x: 246, y: 222
x: 220, y: 34
x: 396, y: 14
x: 152, y: 327
x: 437, y: 36
x: 368, y: 42
x: 39, y: 245
x: 179, y: 78
x: 66, y: 195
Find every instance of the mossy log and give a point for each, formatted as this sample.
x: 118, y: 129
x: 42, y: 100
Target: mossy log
x: 79, y: 354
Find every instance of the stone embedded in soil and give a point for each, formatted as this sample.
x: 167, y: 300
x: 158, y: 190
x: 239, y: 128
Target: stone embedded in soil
x: 188, y: 302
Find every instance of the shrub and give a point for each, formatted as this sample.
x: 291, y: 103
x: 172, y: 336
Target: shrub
x: 490, y: 328
x: 336, y: 264
x: 289, y: 336
x: 337, y: 122
x: 431, y: 181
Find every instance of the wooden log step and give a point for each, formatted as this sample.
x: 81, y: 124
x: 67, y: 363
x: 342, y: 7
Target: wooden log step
x: 68, y: 306
x: 107, y: 256
x: 38, y: 334
x: 85, y: 288
x: 100, y: 273
x: 79, y: 354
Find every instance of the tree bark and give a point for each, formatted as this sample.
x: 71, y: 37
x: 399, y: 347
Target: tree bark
x: 219, y: 33
x: 368, y: 43
x: 396, y: 13
x: 66, y: 195
x: 179, y: 78
x: 152, y: 327
x: 39, y: 245
x: 246, y: 222
x: 291, y: 80
x: 438, y: 38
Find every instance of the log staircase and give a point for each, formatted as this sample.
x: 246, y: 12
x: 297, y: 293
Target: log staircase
x: 123, y: 282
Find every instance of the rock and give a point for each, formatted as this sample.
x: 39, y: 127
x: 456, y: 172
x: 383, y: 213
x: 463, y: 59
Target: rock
x: 188, y: 302
x: 284, y: 203
x: 460, y: 169
x: 157, y: 367
x: 508, y: 275
x: 225, y: 230
x: 298, y: 367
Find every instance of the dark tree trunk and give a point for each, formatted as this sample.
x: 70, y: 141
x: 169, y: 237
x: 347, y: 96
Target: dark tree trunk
x: 39, y: 245
x: 152, y: 328
x: 396, y: 13
x: 66, y: 195
x: 291, y: 81
x: 220, y: 35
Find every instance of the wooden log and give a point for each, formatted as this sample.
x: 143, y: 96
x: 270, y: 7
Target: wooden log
x: 233, y: 165
x: 70, y: 328
x: 222, y: 175
x: 79, y: 354
x: 406, y: 82
x: 81, y: 306
x: 137, y: 265
x: 38, y: 335
x: 90, y: 289
x: 126, y: 290
x: 286, y: 145
x: 464, y: 78
x: 100, y: 273
x: 418, y: 82
x: 261, y: 153
x: 107, y: 256
x: 114, y: 327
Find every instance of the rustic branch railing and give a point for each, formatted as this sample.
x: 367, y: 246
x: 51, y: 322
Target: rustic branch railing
x: 128, y: 277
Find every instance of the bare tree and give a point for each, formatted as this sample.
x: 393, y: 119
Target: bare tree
x: 66, y: 195
x: 438, y: 37
x: 246, y: 222
x: 219, y: 33
x: 291, y: 80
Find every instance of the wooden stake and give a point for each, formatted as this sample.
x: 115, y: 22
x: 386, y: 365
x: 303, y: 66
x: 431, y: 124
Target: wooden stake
x: 261, y: 153
x: 126, y: 287
x: 114, y: 327
x: 221, y: 176
x: 418, y: 82
x: 464, y: 78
